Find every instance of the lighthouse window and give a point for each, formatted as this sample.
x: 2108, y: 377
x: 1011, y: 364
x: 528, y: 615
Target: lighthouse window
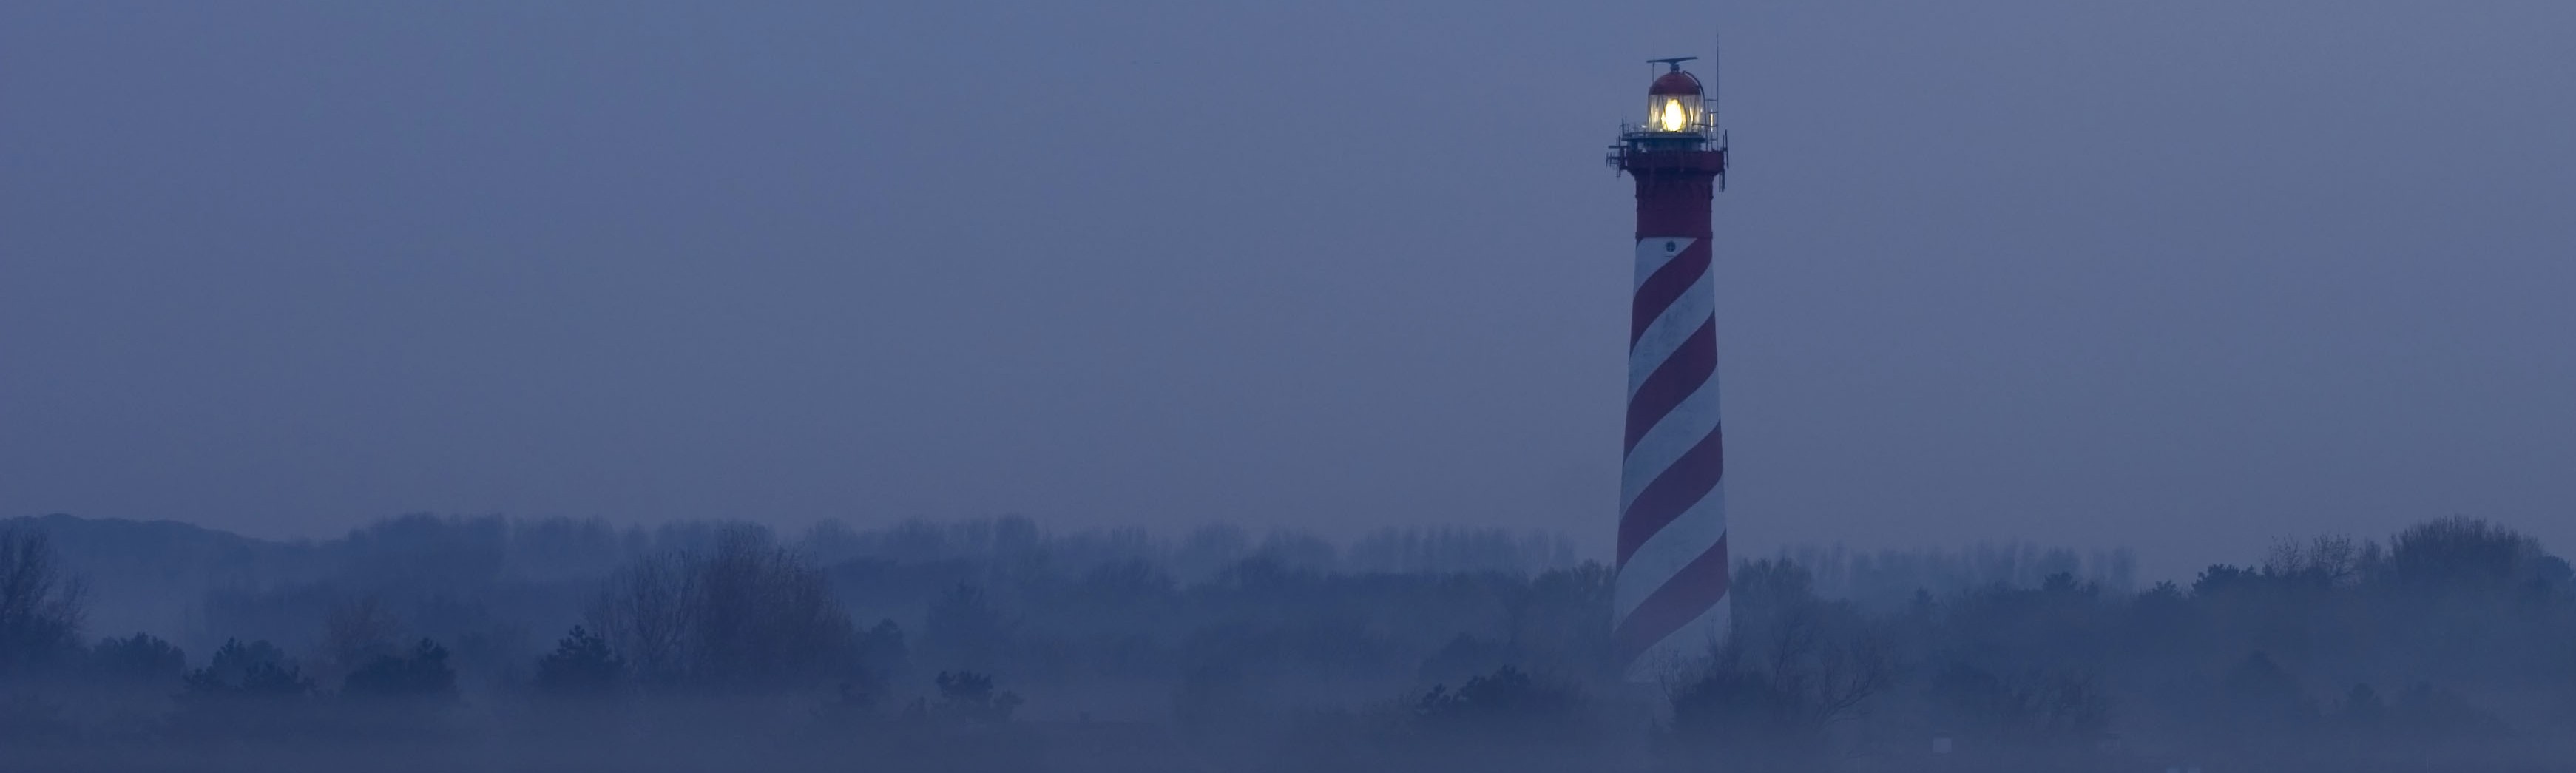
x: 1674, y: 113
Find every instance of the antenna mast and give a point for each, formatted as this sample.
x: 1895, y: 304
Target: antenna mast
x: 1716, y: 100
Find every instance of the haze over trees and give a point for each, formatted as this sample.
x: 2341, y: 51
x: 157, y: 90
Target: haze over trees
x: 451, y: 642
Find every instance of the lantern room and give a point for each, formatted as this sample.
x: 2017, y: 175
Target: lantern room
x: 1675, y: 103
x: 1680, y: 134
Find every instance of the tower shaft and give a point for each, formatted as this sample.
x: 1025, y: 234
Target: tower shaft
x: 1670, y: 603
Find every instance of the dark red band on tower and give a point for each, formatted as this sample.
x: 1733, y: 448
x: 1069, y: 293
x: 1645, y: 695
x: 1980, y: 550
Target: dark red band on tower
x: 1674, y: 191
x: 1665, y: 286
x: 1689, y: 594
x: 1673, y: 381
x: 1678, y: 487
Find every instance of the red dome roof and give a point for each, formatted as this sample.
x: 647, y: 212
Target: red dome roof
x: 1675, y: 82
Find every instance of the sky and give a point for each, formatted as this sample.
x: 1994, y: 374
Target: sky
x: 2189, y: 277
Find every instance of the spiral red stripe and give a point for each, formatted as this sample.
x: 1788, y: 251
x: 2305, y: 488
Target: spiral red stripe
x: 1666, y: 285
x: 1691, y: 593
x: 1682, y: 485
x: 1673, y: 381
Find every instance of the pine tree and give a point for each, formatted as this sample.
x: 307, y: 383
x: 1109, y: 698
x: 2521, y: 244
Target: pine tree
x: 580, y: 667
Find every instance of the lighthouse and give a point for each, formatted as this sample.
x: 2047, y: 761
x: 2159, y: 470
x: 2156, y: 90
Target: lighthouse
x: 1669, y: 600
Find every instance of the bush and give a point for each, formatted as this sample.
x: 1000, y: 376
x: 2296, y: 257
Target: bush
x: 970, y: 696
x: 258, y: 670
x: 580, y: 667
x: 422, y: 676
x: 1505, y: 704
x: 245, y: 691
x: 140, y: 659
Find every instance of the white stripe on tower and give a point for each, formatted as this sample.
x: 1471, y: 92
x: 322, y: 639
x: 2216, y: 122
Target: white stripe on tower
x: 1669, y: 598
x: 1696, y: 306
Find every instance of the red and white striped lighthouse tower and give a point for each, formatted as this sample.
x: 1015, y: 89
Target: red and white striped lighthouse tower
x: 1670, y: 604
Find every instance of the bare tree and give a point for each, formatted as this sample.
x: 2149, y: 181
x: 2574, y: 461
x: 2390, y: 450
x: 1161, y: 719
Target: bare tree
x: 644, y: 615
x: 2335, y: 559
x: 743, y: 612
x: 1829, y: 666
x: 1795, y: 669
x: 762, y: 615
x: 40, y: 602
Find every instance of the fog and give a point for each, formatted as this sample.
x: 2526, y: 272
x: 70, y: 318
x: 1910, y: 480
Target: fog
x: 441, y: 643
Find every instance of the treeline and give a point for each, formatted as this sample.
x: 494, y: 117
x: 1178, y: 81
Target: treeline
x: 2451, y: 646
x: 991, y: 645
x: 1884, y: 580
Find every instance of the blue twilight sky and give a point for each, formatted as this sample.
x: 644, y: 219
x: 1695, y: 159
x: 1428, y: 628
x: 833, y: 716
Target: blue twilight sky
x: 2186, y: 276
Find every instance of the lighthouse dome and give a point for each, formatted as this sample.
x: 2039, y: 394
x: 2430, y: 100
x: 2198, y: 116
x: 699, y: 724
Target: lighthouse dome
x: 1674, y: 83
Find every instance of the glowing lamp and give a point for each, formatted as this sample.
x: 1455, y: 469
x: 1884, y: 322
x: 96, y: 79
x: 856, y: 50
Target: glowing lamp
x: 1674, y: 104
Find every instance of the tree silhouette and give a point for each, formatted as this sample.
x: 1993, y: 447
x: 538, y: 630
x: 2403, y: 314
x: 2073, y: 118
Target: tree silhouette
x: 40, y: 602
x: 244, y: 692
x: 742, y: 614
x: 1794, y: 667
x: 421, y: 675
x: 138, y: 659
x: 1505, y: 704
x: 580, y: 667
x: 258, y: 670
x: 2461, y: 553
x: 970, y: 696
